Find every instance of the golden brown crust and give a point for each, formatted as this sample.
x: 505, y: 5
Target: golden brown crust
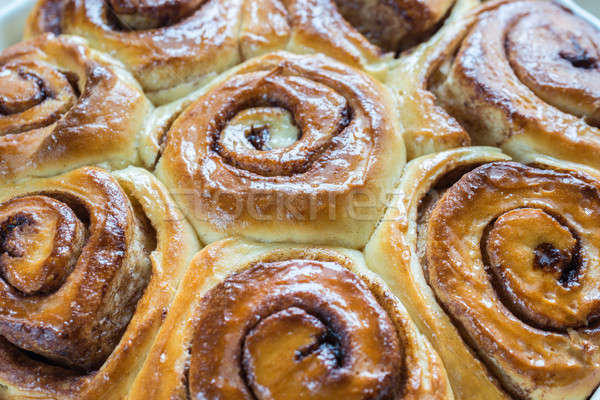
x: 173, y: 47
x: 316, y: 296
x: 362, y: 33
x: 85, y: 335
x: 523, y: 76
x: 497, y: 262
x: 63, y: 105
x: 342, y: 146
x: 169, y: 56
x: 393, y: 253
x: 428, y: 128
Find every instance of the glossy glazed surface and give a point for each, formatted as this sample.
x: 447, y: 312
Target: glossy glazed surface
x: 297, y: 338
x: 301, y: 322
x: 348, y: 142
x: 527, y: 95
x: 428, y: 128
x: 497, y: 261
x: 80, y: 291
x: 173, y: 47
x: 60, y: 103
x: 525, y: 266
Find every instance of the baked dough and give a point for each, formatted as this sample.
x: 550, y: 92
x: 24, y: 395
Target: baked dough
x: 497, y: 263
x: 525, y: 76
x: 285, y: 148
x: 62, y: 106
x: 90, y: 262
x: 175, y: 46
x: 300, y: 322
x: 428, y: 128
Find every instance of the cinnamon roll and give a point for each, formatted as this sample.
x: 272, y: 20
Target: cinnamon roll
x: 497, y: 261
x: 89, y: 263
x: 285, y: 148
x: 252, y: 321
x: 524, y: 76
x: 175, y: 46
x: 63, y: 105
x: 172, y: 47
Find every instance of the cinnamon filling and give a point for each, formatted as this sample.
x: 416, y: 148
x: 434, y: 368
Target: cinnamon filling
x: 315, y: 320
x: 40, y: 242
x: 277, y: 125
x: 392, y: 25
x: 89, y: 263
x: 135, y: 15
x: 20, y: 91
x: 34, y: 97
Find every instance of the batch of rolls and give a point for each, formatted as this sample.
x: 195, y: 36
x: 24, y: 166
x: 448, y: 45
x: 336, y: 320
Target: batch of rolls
x: 300, y: 199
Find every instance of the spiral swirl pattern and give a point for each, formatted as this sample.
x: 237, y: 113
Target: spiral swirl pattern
x: 75, y: 276
x: 527, y: 94
x: 49, y: 253
x: 301, y: 322
x: 170, y: 46
x: 41, y: 239
x: 33, y: 96
x: 324, y: 349
x: 225, y: 162
x: 144, y: 14
x: 504, y: 268
x: 59, y: 100
x: 537, y: 264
